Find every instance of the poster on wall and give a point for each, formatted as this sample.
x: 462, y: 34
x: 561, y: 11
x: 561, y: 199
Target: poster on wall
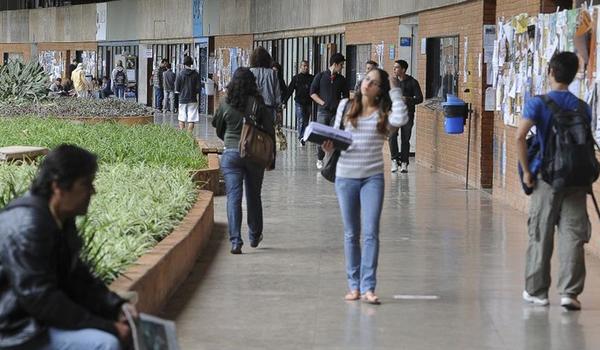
x: 52, y: 62
x: 101, y: 10
x: 523, y: 48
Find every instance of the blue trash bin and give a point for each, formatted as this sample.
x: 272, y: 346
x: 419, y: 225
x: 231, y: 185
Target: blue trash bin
x: 455, y: 112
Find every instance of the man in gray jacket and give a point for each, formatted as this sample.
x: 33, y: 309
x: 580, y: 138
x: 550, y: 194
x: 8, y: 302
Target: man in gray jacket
x: 169, y: 86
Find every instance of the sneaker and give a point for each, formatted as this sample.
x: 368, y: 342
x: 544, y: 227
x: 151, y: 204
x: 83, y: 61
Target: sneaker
x: 534, y: 300
x: 254, y: 243
x: 236, y: 248
x: 404, y: 168
x: 302, y: 142
x: 570, y: 303
x: 394, y: 165
x: 319, y: 164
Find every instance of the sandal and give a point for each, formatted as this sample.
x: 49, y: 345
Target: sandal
x: 352, y: 295
x: 370, y: 298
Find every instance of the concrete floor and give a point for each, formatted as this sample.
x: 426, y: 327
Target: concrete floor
x: 459, y: 250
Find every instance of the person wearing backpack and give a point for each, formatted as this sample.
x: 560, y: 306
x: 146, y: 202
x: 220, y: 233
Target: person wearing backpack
x: 559, y: 191
x: 119, y: 80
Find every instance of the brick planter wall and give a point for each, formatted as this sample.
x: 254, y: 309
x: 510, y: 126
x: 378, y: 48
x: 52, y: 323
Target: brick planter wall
x: 157, y: 274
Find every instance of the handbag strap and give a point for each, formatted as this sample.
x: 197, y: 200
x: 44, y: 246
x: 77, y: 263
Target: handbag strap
x: 251, y: 116
x: 346, y: 106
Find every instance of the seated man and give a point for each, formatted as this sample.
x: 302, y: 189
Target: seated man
x: 49, y: 299
x: 105, y: 90
x: 56, y: 88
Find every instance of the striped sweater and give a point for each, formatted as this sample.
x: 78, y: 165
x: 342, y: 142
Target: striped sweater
x: 364, y: 157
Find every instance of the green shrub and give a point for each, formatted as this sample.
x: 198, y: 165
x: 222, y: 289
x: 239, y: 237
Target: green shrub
x: 136, y: 206
x: 23, y: 82
x: 113, y: 143
x: 144, y: 187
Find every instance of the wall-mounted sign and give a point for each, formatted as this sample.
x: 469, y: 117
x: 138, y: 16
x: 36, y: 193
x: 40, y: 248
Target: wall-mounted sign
x: 405, y: 41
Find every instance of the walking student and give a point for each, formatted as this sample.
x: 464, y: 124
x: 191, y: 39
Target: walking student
x: 169, y: 87
x: 327, y: 89
x: 369, y: 65
x: 267, y: 81
x: 303, y: 103
x: 79, y: 81
x: 550, y: 207
x: 242, y: 96
x: 157, y: 82
x: 412, y: 95
x: 376, y: 111
x: 188, y: 86
x: 119, y: 80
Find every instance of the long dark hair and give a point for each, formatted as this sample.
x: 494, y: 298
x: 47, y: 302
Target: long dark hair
x: 242, y: 86
x: 260, y: 58
x: 384, y: 100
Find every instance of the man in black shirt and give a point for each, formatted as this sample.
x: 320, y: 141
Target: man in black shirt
x: 327, y: 89
x: 301, y: 83
x: 412, y: 97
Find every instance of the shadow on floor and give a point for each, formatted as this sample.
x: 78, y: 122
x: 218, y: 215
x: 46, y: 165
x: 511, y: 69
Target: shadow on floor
x: 188, y: 289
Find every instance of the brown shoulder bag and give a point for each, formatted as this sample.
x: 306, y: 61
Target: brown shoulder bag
x: 255, y: 144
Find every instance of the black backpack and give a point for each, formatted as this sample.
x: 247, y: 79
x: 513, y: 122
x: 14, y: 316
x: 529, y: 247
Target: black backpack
x: 120, y: 78
x: 569, y: 158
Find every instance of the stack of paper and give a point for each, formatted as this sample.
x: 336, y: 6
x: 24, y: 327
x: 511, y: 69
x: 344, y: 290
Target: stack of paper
x: 318, y: 133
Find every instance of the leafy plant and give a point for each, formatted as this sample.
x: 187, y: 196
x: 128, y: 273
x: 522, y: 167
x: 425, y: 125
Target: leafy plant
x: 136, y: 207
x: 143, y: 184
x: 14, y: 181
x: 22, y: 82
x: 113, y: 143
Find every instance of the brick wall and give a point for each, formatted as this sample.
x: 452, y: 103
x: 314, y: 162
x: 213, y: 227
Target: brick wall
x: 24, y: 49
x: 374, y: 32
x: 230, y: 41
x: 436, y: 149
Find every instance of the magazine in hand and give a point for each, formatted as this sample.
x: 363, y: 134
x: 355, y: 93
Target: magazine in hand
x: 319, y: 133
x: 152, y: 333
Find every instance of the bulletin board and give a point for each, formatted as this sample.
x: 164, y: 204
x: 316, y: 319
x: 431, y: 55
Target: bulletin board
x: 227, y: 60
x: 525, y: 44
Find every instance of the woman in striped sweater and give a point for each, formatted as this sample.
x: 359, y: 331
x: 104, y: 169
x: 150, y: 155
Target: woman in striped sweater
x: 376, y: 111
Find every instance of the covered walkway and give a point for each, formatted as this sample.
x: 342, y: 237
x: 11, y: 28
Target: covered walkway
x: 450, y: 274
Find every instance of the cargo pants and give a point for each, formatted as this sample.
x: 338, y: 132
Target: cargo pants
x: 567, y: 210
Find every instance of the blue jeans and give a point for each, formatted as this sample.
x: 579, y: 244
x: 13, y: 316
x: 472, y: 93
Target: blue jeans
x: 120, y: 92
x: 158, y: 98
x: 361, y: 201
x: 302, y: 117
x: 62, y: 339
x: 237, y: 171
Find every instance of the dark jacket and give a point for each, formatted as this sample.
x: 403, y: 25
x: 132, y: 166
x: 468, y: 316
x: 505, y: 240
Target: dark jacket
x: 301, y: 83
x: 188, y: 85
x: 169, y: 80
x: 229, y: 121
x: 331, y: 88
x: 412, y: 91
x: 43, y: 281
